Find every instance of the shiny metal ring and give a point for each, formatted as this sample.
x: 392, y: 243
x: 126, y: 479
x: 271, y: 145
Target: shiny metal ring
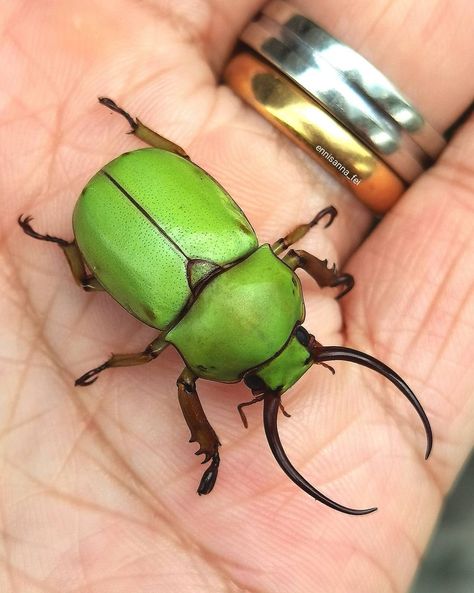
x: 330, y: 89
x: 360, y: 73
x: 312, y: 128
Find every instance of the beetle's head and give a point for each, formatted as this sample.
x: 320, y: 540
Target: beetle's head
x: 281, y: 372
x: 284, y: 369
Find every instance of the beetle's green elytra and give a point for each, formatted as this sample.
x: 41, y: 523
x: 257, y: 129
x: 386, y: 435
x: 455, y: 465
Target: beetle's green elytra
x: 167, y: 242
x: 173, y: 224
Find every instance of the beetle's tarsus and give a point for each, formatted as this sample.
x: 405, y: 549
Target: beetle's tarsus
x: 140, y: 130
x: 153, y: 350
x: 114, y: 107
x: 85, y: 381
x: 283, y: 411
x: 329, y: 211
x: 328, y: 367
x: 91, y: 376
x: 24, y: 222
x: 347, y: 281
x: 209, y: 477
x: 300, y: 231
x: 243, y: 417
x: 319, y: 270
x: 90, y: 284
x: 201, y: 431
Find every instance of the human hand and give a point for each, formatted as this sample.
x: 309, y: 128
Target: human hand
x: 98, y: 489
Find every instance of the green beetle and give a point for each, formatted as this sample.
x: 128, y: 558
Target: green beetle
x: 166, y: 241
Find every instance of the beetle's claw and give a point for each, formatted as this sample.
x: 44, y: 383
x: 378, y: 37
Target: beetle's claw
x: 329, y: 211
x: 328, y: 367
x: 347, y: 280
x: 108, y: 103
x: 84, y: 381
x: 24, y: 222
x: 91, y: 376
x: 113, y: 105
x: 209, y: 477
x: 243, y: 417
x: 87, y: 378
x: 207, y: 457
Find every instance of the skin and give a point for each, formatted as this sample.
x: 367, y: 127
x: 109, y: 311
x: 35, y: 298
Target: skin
x: 97, y: 491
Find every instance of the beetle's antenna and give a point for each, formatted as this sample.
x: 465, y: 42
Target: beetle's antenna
x: 328, y: 353
x: 271, y: 405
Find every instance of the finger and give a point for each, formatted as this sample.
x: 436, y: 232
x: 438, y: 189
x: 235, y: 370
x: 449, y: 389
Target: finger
x: 414, y: 303
x: 298, y: 185
x: 393, y: 37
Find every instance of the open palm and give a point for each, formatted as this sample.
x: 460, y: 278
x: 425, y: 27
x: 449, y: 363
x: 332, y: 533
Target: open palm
x: 98, y: 484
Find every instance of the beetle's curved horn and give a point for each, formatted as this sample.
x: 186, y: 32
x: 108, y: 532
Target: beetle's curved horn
x: 271, y: 405
x: 328, y: 353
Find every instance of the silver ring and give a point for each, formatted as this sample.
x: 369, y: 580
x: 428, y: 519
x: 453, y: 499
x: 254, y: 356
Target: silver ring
x: 330, y: 89
x: 358, y: 72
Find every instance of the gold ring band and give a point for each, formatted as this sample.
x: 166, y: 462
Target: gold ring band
x: 287, y: 107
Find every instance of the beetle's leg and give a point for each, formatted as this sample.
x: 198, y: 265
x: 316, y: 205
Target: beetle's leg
x: 256, y: 399
x: 125, y: 360
x: 300, y: 231
x: 201, y: 431
x: 70, y: 250
x: 319, y: 270
x: 143, y: 132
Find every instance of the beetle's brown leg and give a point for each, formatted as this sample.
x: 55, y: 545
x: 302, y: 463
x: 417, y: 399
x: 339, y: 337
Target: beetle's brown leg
x: 125, y: 360
x: 70, y: 250
x: 143, y: 132
x: 256, y: 399
x: 319, y: 270
x: 300, y: 231
x: 242, y: 405
x: 201, y: 431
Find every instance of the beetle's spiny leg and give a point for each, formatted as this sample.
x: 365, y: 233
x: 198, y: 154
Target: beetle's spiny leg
x: 116, y: 360
x: 124, y: 360
x: 91, y: 376
x: 345, y: 280
x: 209, y: 477
x: 70, y: 250
x: 330, y: 211
x: 328, y: 367
x: 300, y: 231
x: 319, y: 270
x: 200, y: 428
x: 144, y: 132
x: 283, y: 411
x: 24, y: 222
x: 114, y: 107
x: 258, y: 398
x: 243, y: 417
